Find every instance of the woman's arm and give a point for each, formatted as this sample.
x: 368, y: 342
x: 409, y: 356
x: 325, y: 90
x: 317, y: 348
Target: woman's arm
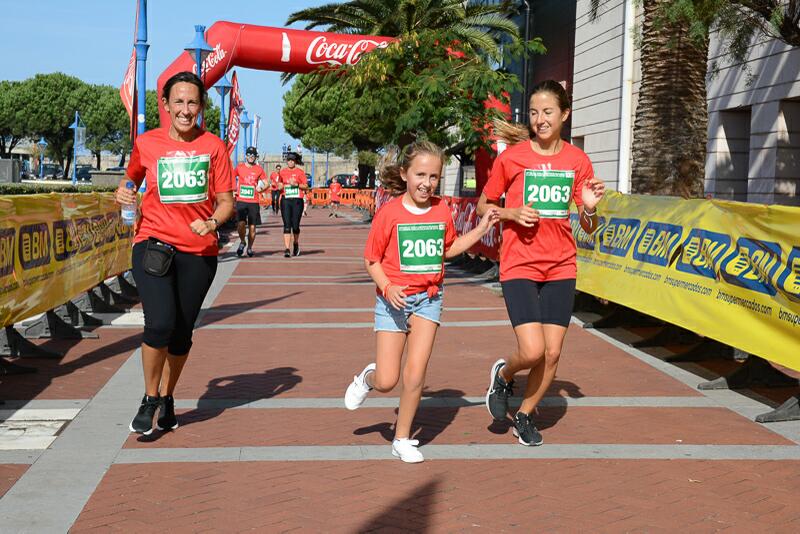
x: 524, y: 215
x: 591, y: 193
x: 222, y: 213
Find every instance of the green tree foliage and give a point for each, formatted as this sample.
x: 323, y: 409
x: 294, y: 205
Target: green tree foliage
x: 14, y: 123
x: 483, y: 27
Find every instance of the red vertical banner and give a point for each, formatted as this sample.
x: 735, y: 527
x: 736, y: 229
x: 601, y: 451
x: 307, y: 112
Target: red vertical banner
x: 127, y: 92
x: 233, y: 114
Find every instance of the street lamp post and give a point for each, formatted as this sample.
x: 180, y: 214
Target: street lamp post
x: 42, y: 145
x: 75, y: 127
x: 223, y: 86
x: 246, y: 123
x: 199, y: 49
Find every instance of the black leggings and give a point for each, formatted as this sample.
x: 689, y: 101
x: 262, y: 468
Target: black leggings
x: 172, y: 302
x: 291, y: 211
x: 276, y: 199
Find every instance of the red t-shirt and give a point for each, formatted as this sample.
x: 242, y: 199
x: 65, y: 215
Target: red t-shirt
x: 183, y: 179
x: 246, y: 189
x: 273, y: 181
x: 547, y: 250
x: 336, y: 188
x: 411, y: 247
x: 286, y: 176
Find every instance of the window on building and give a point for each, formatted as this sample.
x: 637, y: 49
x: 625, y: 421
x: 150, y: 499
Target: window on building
x: 787, y: 168
x: 731, y: 155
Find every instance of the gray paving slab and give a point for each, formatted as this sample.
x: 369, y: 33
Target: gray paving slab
x: 443, y: 402
x: 20, y: 456
x: 324, y: 326
x: 464, y: 452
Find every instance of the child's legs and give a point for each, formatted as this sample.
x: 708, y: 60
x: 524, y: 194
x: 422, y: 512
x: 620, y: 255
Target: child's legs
x: 530, y: 349
x: 541, y: 376
x: 420, y: 343
x: 390, y: 347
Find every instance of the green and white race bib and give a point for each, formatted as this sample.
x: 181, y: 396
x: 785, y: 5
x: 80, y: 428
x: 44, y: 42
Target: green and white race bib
x: 247, y: 191
x: 550, y: 192
x: 291, y: 191
x: 183, y: 180
x: 421, y: 247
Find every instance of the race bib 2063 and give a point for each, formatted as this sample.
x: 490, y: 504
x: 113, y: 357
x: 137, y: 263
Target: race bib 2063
x: 183, y: 180
x: 549, y: 191
x: 421, y: 247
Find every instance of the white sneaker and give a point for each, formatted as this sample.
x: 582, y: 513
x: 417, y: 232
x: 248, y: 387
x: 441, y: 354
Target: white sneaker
x: 358, y: 390
x: 406, y: 449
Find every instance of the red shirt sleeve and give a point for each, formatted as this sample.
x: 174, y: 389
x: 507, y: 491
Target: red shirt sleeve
x: 450, y: 233
x: 136, y: 171
x: 378, y: 239
x: 498, y: 182
x: 583, y: 172
x: 223, y: 174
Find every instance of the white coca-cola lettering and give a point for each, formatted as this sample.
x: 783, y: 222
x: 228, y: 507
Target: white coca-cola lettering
x: 217, y: 55
x: 321, y: 51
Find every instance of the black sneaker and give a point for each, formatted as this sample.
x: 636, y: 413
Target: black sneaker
x: 166, y: 416
x: 240, y: 250
x: 286, y: 253
x: 525, y: 430
x: 143, y: 422
x: 250, y: 253
x: 296, y: 250
x: 499, y: 392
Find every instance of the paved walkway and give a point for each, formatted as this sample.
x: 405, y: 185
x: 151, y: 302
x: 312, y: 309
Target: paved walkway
x: 266, y: 445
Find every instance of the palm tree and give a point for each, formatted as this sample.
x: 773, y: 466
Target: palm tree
x: 670, y: 129
x: 483, y: 27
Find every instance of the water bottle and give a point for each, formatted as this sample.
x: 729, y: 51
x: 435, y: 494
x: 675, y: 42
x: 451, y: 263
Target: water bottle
x: 129, y: 210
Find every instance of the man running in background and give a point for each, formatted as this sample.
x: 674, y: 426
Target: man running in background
x: 248, y: 211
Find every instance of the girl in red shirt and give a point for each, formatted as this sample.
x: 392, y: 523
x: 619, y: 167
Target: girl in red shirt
x: 539, y: 176
x: 410, y: 237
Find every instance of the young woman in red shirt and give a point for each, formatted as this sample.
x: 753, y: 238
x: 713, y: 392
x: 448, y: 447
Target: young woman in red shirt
x: 188, y: 195
x: 293, y: 185
x: 410, y: 237
x: 274, y: 178
x: 539, y: 176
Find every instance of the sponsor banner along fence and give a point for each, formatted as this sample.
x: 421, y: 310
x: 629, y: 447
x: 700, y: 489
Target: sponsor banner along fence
x: 55, y: 246
x: 729, y: 271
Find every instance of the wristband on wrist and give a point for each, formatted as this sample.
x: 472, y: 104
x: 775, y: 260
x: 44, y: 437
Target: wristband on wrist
x: 213, y: 220
x: 592, y: 214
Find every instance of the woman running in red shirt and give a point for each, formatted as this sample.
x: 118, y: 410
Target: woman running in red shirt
x: 293, y: 183
x: 539, y: 176
x: 410, y: 237
x: 188, y: 195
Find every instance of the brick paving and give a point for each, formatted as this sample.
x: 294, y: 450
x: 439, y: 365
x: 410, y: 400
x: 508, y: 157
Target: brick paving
x: 309, y: 357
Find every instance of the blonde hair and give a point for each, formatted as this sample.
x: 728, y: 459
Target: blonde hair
x: 395, y: 162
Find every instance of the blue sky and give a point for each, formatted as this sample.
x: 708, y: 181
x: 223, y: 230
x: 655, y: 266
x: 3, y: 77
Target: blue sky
x: 92, y: 40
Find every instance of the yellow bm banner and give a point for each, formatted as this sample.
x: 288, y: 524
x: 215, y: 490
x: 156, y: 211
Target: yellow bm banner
x: 726, y: 270
x: 55, y: 246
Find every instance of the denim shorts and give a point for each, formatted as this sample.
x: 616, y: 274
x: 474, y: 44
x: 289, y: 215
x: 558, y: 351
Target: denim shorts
x: 389, y: 319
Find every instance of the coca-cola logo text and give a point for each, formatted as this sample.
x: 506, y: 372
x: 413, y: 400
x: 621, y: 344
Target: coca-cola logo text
x: 320, y: 51
x: 217, y: 55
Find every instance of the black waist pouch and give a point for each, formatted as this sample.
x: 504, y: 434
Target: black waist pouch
x: 157, y: 257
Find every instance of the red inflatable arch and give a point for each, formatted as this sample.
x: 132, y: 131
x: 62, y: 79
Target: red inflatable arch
x: 265, y: 48
x: 286, y: 50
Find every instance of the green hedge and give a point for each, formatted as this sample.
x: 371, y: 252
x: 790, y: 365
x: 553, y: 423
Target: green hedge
x: 33, y: 189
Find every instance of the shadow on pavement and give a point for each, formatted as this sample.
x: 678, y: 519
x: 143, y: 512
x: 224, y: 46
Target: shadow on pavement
x: 409, y: 514
x: 235, y: 390
x: 428, y: 422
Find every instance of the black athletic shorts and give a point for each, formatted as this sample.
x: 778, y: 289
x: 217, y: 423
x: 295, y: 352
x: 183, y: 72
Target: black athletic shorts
x: 528, y: 301
x: 249, y: 212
